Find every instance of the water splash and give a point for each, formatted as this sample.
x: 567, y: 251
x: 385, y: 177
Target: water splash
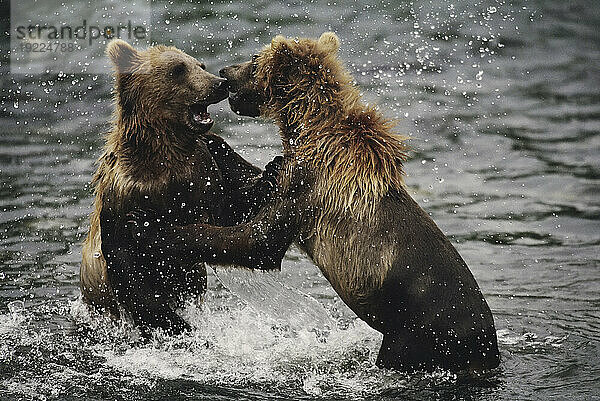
x: 264, y: 292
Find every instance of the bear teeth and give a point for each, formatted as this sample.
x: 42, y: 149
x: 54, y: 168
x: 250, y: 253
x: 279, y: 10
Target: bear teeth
x: 199, y: 115
x: 203, y: 118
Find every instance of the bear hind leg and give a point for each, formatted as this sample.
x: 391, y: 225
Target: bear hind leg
x: 398, y: 353
x: 158, y: 316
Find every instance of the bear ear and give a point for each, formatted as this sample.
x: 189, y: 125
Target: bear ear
x: 123, y: 55
x: 330, y: 42
x: 279, y: 43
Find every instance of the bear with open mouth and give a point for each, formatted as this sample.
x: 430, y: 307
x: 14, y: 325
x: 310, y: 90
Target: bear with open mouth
x: 160, y: 154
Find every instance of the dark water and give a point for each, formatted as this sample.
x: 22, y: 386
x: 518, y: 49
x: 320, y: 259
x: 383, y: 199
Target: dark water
x: 502, y: 101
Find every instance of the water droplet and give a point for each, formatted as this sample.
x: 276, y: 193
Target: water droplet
x: 16, y: 306
x: 96, y: 255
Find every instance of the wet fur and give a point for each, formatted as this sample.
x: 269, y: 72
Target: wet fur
x: 154, y: 159
x: 341, y: 198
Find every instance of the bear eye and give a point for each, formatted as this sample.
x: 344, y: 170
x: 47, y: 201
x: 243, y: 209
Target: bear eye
x: 202, y: 66
x: 178, y: 70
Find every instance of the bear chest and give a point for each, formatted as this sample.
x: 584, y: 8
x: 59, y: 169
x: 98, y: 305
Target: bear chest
x: 192, y: 201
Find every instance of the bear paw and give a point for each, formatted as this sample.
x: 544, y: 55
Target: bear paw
x: 271, y: 172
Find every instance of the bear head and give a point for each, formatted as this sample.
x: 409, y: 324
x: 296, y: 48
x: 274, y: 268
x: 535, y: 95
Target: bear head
x: 164, y: 88
x: 297, y: 76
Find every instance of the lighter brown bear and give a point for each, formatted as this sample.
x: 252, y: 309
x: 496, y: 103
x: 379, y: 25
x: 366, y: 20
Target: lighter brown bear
x: 341, y: 198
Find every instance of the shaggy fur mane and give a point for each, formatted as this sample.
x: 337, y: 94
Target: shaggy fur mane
x: 315, y: 102
x: 143, y: 151
x: 145, y: 148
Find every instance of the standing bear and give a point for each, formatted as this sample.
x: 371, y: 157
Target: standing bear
x: 161, y: 155
x: 341, y: 197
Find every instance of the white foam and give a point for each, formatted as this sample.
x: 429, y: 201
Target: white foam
x: 528, y: 339
x: 242, y: 347
x: 232, y: 345
x: 267, y: 336
x: 13, y: 320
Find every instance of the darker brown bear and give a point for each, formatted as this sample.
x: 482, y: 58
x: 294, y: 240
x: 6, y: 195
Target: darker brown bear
x: 341, y: 197
x: 160, y: 155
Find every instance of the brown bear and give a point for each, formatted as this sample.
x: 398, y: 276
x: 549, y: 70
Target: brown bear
x: 341, y: 197
x: 161, y: 155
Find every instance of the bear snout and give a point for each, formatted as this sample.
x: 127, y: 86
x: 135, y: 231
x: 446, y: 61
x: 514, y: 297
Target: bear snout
x: 220, y: 89
x: 222, y: 85
x: 223, y: 72
x: 229, y: 73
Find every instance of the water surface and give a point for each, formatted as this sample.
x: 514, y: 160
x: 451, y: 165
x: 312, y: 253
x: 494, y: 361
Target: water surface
x: 502, y: 103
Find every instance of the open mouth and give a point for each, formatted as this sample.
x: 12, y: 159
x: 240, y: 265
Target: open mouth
x: 199, y: 116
